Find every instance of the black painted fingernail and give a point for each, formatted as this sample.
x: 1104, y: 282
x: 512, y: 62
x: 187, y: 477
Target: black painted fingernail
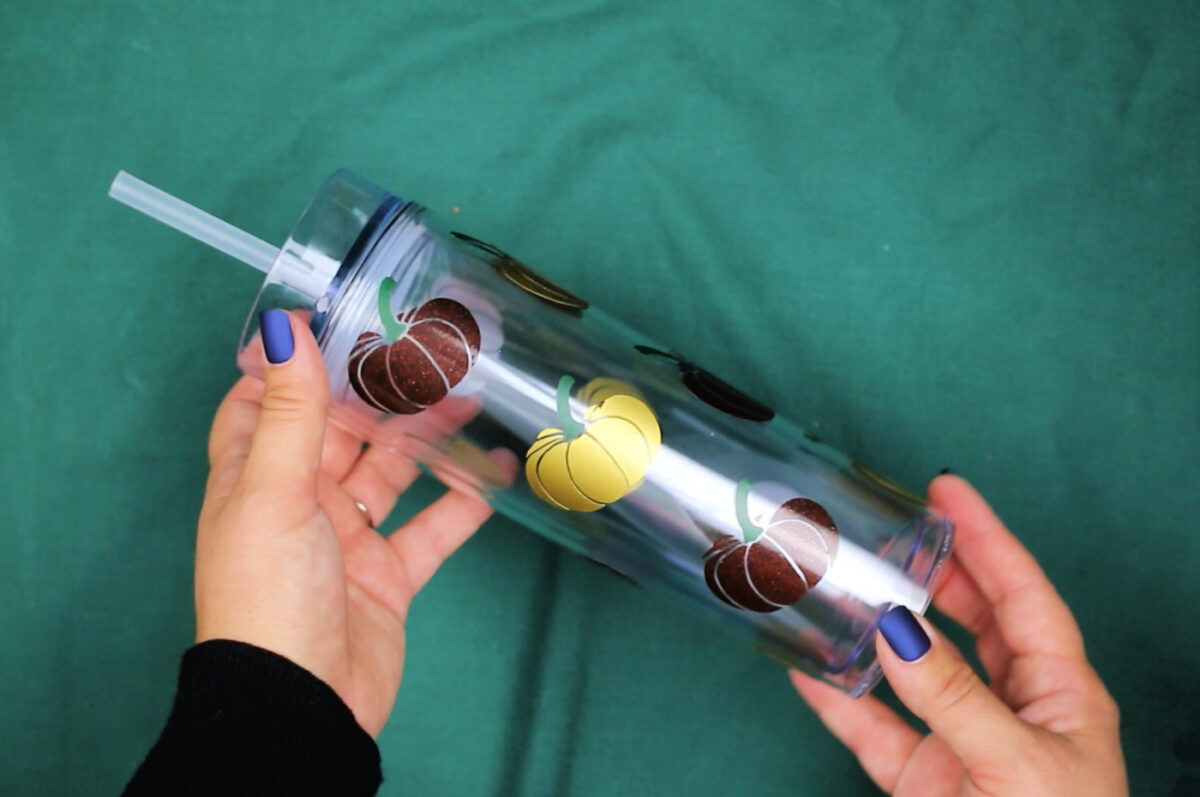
x: 277, y: 336
x: 944, y: 471
x: 904, y: 634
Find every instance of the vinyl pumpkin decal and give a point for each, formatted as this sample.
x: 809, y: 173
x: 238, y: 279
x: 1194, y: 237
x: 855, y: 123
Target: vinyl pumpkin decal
x: 884, y: 483
x: 526, y: 278
x: 775, y: 565
x: 713, y: 391
x: 583, y: 465
x: 421, y: 355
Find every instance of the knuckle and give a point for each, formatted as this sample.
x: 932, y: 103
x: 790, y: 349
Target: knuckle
x: 256, y: 504
x: 955, y: 690
x: 1114, y: 710
x: 285, y: 405
x: 1098, y: 703
x: 1106, y: 706
x: 1028, y: 744
x: 221, y: 479
x: 982, y: 621
x: 270, y: 484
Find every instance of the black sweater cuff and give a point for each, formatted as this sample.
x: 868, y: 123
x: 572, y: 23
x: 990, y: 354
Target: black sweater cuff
x: 248, y: 721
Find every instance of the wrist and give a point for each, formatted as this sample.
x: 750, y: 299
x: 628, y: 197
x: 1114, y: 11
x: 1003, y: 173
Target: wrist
x: 246, y: 720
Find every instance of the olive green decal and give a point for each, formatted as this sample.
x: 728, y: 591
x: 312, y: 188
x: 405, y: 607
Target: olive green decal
x: 526, y: 278
x: 884, y: 483
x: 713, y: 391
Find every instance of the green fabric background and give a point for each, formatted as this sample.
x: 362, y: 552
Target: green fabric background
x: 936, y: 233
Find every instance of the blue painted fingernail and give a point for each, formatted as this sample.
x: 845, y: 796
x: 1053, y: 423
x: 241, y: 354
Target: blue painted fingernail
x: 904, y: 634
x: 277, y: 336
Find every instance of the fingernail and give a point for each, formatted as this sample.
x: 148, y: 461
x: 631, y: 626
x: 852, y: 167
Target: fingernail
x: 944, y: 471
x: 277, y: 336
x: 904, y: 634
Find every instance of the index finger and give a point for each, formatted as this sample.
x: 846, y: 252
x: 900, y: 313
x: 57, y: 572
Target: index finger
x: 234, y: 422
x: 1031, y: 616
x: 881, y: 741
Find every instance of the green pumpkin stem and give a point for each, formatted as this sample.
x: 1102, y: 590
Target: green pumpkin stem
x: 393, y: 330
x: 571, y: 428
x: 650, y: 351
x: 750, y: 532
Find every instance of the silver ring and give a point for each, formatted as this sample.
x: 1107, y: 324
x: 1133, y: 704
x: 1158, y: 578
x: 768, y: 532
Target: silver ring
x: 365, y: 513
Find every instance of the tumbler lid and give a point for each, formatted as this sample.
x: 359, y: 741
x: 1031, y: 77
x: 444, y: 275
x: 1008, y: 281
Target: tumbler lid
x: 322, y: 240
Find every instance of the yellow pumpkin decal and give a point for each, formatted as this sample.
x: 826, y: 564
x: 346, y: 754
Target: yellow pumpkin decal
x: 583, y: 465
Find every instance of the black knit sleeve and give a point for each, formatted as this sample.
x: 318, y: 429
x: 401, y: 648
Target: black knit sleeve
x: 248, y: 721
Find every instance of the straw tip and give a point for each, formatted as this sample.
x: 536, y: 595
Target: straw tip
x: 193, y: 221
x: 121, y: 179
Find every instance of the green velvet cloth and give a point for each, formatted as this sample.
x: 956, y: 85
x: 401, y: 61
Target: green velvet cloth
x: 935, y: 233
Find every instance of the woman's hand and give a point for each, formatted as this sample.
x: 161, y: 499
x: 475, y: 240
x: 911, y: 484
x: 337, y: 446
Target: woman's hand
x: 1046, y: 725
x: 285, y: 558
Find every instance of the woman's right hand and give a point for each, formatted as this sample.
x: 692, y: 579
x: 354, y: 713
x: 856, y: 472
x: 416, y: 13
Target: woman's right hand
x: 1045, y: 726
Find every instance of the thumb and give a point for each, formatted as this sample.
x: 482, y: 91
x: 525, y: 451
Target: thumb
x: 937, y: 685
x: 285, y: 451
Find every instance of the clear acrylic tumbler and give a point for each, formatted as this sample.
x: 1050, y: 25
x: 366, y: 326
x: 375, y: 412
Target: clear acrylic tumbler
x: 444, y: 347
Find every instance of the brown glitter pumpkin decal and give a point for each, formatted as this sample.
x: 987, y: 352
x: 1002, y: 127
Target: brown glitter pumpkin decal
x: 420, y: 356
x: 775, y: 565
x: 714, y: 392
x: 526, y: 278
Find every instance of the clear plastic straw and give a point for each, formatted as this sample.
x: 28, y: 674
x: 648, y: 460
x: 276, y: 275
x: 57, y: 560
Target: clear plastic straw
x: 192, y: 221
